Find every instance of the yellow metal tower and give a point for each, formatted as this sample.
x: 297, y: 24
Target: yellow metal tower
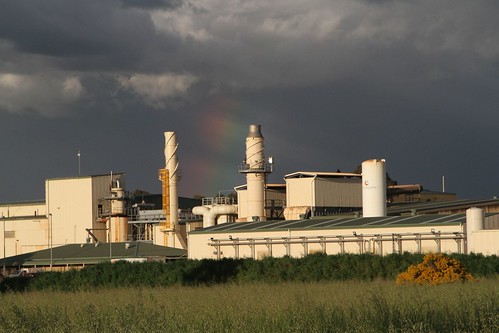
x: 164, y: 177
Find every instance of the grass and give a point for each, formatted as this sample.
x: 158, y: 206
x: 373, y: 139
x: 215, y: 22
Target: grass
x: 349, y: 306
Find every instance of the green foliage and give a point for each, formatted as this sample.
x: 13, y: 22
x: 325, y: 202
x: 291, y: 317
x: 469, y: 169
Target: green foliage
x: 312, y: 268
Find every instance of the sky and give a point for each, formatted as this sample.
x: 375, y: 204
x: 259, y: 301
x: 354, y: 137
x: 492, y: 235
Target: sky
x: 331, y: 82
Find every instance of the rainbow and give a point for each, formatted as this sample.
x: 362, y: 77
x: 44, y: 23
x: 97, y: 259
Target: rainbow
x: 223, y: 129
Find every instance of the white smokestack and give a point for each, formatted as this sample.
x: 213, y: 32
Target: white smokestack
x: 171, y: 163
x: 373, y: 188
x: 255, y: 174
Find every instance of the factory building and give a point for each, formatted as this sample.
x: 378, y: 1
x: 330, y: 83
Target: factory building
x: 457, y: 233
x: 75, y: 209
x: 335, y: 212
x: 328, y: 212
x: 310, y: 194
x: 76, y: 256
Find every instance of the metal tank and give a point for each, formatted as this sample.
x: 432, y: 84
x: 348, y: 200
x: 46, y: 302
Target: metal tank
x: 374, y: 188
x: 119, y: 220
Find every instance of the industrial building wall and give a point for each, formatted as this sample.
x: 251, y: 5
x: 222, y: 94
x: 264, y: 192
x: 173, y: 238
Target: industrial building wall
x: 300, y: 192
x: 23, y: 236
x: 199, y: 248
x: 242, y: 205
x: 338, y: 192
x: 485, y: 242
x: 22, y: 209
x: 69, y: 201
x: 25, y: 226
x: 275, y: 195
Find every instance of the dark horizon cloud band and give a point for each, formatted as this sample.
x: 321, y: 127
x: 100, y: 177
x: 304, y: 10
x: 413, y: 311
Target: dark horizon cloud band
x: 332, y: 83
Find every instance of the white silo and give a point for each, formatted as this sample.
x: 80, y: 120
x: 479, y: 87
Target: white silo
x: 373, y: 188
x: 256, y: 170
x: 475, y: 219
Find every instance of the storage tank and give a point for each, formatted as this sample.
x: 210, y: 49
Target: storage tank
x: 374, y: 188
x: 475, y: 219
x: 118, y: 219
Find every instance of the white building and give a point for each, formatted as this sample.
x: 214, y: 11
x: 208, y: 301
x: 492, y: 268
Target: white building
x: 333, y: 235
x: 73, y: 207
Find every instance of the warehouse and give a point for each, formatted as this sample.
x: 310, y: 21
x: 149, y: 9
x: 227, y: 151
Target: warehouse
x: 75, y: 256
x: 72, y: 211
x: 333, y: 235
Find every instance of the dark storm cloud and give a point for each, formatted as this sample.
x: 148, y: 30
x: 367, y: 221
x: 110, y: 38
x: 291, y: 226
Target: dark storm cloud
x: 332, y: 83
x: 88, y: 35
x: 153, y: 4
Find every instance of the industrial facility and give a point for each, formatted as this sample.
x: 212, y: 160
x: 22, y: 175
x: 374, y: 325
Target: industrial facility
x: 327, y: 212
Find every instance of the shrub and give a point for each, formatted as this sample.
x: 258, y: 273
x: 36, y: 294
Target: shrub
x: 435, y: 269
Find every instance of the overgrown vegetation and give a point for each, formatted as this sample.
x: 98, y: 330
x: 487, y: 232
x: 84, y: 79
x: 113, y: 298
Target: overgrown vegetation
x: 436, y: 268
x: 313, y: 268
x: 338, y: 306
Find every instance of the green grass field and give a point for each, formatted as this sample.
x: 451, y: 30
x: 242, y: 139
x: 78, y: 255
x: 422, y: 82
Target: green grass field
x: 349, y: 306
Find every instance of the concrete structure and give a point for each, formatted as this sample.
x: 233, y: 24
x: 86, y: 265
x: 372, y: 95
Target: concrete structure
x: 74, y: 208
x: 321, y: 194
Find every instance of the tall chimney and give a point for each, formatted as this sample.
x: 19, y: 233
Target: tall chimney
x: 171, y: 164
x: 255, y: 169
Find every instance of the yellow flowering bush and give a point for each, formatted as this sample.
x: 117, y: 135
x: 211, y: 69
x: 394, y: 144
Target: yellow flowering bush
x: 436, y: 268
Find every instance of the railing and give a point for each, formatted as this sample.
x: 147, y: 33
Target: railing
x: 218, y: 201
x: 262, y: 167
x: 364, y: 242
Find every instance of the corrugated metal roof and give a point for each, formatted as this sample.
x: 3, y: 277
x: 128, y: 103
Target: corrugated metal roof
x: 337, y: 223
x: 87, y: 176
x: 431, y: 207
x: 92, y: 253
x: 322, y: 174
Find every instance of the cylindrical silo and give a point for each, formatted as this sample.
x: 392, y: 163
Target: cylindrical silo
x: 255, y: 174
x: 118, y: 219
x: 475, y: 219
x: 373, y: 188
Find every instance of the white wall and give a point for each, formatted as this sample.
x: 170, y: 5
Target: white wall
x: 199, y: 249
x: 69, y: 209
x: 300, y: 192
x: 485, y: 242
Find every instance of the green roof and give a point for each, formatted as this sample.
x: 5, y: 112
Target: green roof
x: 92, y: 253
x: 337, y: 223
